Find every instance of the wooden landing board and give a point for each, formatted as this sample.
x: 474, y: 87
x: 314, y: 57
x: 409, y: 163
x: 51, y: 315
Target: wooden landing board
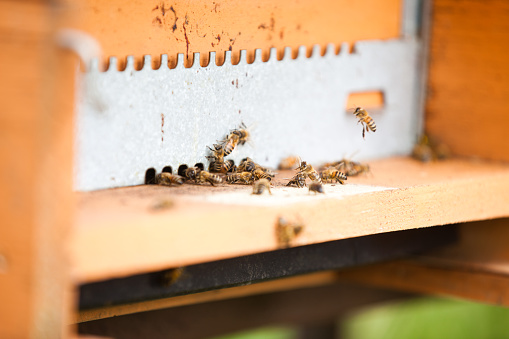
x: 468, y: 87
x: 119, y: 232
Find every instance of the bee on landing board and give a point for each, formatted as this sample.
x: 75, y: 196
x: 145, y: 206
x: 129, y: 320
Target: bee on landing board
x: 298, y: 180
x: 217, y: 164
x: 167, y: 179
x: 260, y: 186
x: 368, y: 124
x: 191, y: 172
x: 242, y: 177
x: 247, y: 165
x: 316, y: 187
x: 286, y: 232
x: 333, y: 174
x: 204, y: 176
x: 309, y: 171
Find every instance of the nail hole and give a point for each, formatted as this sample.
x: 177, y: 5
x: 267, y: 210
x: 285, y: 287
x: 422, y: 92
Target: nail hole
x: 199, y: 165
x: 150, y: 176
x: 168, y: 169
x: 181, y: 170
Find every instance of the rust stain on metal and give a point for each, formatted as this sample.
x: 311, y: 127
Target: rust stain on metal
x: 174, y: 27
x: 185, y: 35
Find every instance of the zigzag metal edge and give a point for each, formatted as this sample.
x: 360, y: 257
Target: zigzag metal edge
x: 331, y: 50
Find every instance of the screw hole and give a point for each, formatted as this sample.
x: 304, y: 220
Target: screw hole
x: 199, y: 165
x: 168, y: 169
x: 150, y: 176
x: 181, y: 170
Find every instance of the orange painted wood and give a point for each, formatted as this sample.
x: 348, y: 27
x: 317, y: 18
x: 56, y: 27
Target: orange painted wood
x: 284, y: 284
x: 35, y: 175
x: 158, y: 27
x: 118, y: 232
x: 467, y: 105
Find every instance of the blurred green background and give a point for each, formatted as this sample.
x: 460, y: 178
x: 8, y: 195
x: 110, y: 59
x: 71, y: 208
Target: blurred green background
x: 420, y: 318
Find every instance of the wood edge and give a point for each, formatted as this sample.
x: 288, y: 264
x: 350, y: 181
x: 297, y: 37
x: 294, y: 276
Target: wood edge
x: 303, y: 281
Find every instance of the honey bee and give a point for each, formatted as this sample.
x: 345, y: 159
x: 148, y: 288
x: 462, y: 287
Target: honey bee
x: 167, y: 179
x: 204, y: 176
x: 217, y: 151
x: 260, y: 186
x: 242, y: 133
x: 427, y: 150
x: 309, y: 171
x: 231, y: 142
x: 230, y: 166
x: 333, y: 174
x: 242, y: 177
x: 367, y: 122
x: 261, y: 174
x: 286, y: 232
x: 171, y: 276
x: 247, y: 165
x: 190, y: 173
x: 298, y: 180
x: 316, y: 187
x: 288, y: 163
x: 217, y: 165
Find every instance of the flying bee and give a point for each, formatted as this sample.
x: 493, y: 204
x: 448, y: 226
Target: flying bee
x: 242, y: 133
x: 260, y: 186
x: 316, y: 187
x: 260, y: 174
x: 190, y: 173
x: 204, y: 176
x: 367, y: 122
x: 217, y: 151
x: 230, y: 143
x: 333, y: 174
x: 298, y: 180
x: 242, y: 177
x: 309, y: 171
x: 288, y: 163
x: 167, y: 179
x: 286, y: 232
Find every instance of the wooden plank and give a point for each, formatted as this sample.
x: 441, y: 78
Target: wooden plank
x: 304, y: 281
x: 305, y: 306
x: 267, y: 266
x: 119, y: 233
x: 469, y: 77
x: 475, y: 268
x: 169, y: 27
x: 35, y: 176
x: 428, y: 278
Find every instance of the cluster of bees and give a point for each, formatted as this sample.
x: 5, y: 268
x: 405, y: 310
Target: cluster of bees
x: 249, y: 172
